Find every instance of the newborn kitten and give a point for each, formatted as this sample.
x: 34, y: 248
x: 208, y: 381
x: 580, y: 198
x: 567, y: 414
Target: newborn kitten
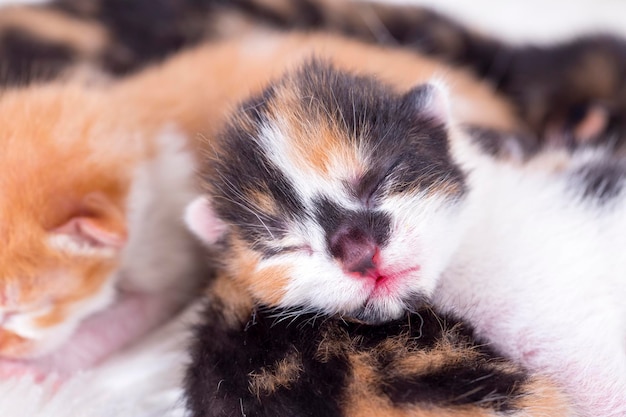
x: 340, y: 203
x: 89, y: 218
x: 342, y: 197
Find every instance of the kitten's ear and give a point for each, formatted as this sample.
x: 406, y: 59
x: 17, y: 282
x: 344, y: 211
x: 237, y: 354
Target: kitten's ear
x: 97, y: 226
x: 431, y: 98
x: 202, y: 220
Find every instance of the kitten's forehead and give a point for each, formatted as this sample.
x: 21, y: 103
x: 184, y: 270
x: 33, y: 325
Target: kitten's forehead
x: 330, y: 126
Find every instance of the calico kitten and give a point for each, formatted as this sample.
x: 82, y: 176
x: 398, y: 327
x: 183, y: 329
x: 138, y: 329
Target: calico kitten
x: 94, y: 250
x: 340, y: 202
x: 342, y: 198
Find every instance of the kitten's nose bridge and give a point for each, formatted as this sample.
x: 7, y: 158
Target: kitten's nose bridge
x: 355, y: 248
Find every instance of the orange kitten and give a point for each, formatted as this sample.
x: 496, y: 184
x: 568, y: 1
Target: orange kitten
x: 89, y: 217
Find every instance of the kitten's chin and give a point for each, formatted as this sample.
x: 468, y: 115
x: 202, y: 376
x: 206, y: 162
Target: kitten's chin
x: 380, y: 311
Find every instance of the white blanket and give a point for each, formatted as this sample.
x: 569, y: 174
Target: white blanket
x: 143, y: 381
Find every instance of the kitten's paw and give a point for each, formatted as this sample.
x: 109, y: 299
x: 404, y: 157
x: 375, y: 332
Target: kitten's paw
x: 14, y: 369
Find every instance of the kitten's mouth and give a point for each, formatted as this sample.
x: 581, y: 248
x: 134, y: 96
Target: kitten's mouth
x: 384, y: 282
x: 383, y: 303
x: 99, y: 336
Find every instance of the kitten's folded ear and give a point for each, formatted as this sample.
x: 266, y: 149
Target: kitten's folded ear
x: 432, y: 99
x: 96, y: 226
x: 202, y: 220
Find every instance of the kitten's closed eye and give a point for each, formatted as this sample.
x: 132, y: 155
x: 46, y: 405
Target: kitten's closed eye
x: 366, y: 189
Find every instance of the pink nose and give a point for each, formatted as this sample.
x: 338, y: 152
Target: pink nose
x: 355, y: 250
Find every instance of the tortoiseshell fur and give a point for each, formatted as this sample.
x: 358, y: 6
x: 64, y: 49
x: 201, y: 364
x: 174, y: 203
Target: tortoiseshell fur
x: 558, y: 89
x: 568, y: 94
x: 262, y: 362
x: 328, y: 183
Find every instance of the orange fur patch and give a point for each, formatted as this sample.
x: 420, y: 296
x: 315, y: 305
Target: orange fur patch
x: 62, y: 145
x: 267, y: 285
x: 236, y: 302
x: 363, y: 401
x: 547, y: 400
x: 281, y: 375
x: 13, y: 345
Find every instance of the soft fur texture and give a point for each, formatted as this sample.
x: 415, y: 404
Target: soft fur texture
x: 358, y: 202
x: 95, y: 254
x: 539, y: 272
x: 573, y: 86
x: 270, y: 362
x: 92, y: 52
x: 344, y: 199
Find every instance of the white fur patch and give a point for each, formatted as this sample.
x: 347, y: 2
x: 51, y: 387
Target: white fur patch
x: 540, y: 274
x: 143, y: 381
x: 78, y: 247
x: 160, y: 251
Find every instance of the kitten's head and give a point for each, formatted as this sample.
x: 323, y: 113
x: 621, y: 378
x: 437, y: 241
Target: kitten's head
x: 62, y: 224
x: 335, y: 194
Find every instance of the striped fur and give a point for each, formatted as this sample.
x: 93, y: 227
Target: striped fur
x: 568, y: 94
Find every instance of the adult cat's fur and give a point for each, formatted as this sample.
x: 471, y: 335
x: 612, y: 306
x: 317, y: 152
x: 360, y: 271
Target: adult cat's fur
x: 568, y: 93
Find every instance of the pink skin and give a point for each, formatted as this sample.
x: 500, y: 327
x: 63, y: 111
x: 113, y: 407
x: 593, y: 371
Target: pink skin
x: 382, y: 278
x: 106, y: 332
x: 98, y: 337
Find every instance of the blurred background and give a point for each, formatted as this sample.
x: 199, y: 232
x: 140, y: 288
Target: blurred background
x: 521, y: 20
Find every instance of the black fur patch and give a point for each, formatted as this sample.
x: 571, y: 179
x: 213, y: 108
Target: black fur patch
x: 301, y: 13
x: 409, y: 149
x: 243, y: 168
x: 224, y: 359
x: 27, y: 58
x: 456, y: 385
x: 375, y: 225
x: 503, y: 144
x: 601, y: 181
x: 217, y: 382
